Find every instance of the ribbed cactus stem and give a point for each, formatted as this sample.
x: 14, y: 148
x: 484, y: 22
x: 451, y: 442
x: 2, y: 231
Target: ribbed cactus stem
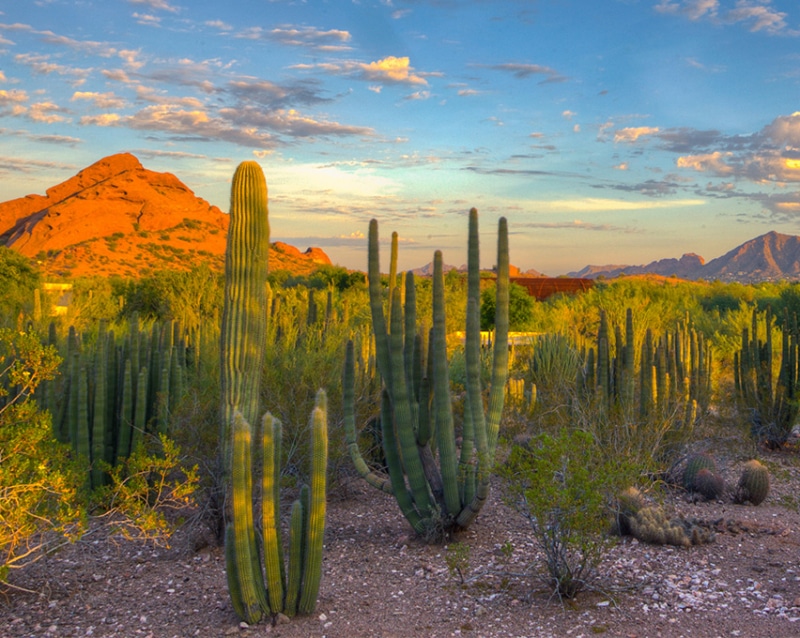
x: 315, y: 528
x: 270, y: 510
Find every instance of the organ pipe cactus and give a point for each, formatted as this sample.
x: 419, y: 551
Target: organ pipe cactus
x: 772, y: 401
x: 416, y: 410
x: 258, y: 591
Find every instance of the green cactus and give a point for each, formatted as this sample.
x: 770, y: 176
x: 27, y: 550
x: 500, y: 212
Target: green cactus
x: 652, y: 525
x: 709, y: 484
x: 255, y: 591
x: 694, y: 464
x: 416, y: 410
x: 753, y: 485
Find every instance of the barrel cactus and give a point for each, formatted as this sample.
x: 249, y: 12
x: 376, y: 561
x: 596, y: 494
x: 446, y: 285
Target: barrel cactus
x: 753, y: 485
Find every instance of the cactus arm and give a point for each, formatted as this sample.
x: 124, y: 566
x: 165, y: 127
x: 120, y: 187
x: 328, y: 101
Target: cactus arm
x: 296, y: 545
x: 501, y: 327
x: 315, y: 531
x: 245, y: 579
x: 394, y: 464
x: 404, y: 418
x: 443, y: 411
x: 376, y: 306
x: 377, y: 480
x: 270, y: 507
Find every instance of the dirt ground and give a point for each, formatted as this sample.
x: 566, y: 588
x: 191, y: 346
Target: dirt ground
x: 380, y: 581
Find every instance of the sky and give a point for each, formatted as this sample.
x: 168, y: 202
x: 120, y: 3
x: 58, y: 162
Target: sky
x: 606, y: 132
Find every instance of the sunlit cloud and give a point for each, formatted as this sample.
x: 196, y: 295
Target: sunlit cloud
x: 389, y: 70
x: 631, y: 134
x: 2, y: 76
x: 707, y: 162
x: 100, y: 100
x: 568, y: 115
x: 599, y: 204
x: 129, y: 56
x: 622, y: 166
x: 15, y: 96
x: 576, y: 224
x: 116, y: 75
x: 105, y: 119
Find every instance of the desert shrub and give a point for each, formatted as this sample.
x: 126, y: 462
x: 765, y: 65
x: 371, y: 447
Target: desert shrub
x: 565, y: 485
x: 40, y: 481
x: 148, y: 491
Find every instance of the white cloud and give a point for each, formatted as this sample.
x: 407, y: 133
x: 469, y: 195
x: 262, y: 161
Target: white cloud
x: 159, y: 5
x: 599, y: 204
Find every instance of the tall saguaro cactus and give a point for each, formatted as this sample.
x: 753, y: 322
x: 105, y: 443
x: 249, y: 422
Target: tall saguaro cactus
x: 416, y: 409
x: 257, y: 591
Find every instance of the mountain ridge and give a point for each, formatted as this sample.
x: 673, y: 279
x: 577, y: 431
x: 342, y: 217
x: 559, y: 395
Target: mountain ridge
x: 115, y: 217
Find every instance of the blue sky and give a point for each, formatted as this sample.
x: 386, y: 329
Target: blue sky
x: 607, y: 132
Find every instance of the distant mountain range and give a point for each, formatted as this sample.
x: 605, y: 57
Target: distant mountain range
x: 116, y: 217
x: 769, y: 257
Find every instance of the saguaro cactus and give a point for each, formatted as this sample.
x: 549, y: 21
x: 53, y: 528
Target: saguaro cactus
x: 257, y: 591
x: 416, y: 410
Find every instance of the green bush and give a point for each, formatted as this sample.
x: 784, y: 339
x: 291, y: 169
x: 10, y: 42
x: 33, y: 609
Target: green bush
x: 40, y: 482
x: 565, y: 486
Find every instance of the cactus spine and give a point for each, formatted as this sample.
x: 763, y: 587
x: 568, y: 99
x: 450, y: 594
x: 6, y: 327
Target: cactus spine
x: 256, y: 591
x: 416, y: 410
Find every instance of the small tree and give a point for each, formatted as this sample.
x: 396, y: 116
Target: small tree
x: 520, y: 308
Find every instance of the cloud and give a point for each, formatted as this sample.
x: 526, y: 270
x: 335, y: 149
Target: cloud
x: 630, y: 135
x: 2, y: 76
x: 568, y: 115
x: 576, y: 224
x: 311, y: 37
x: 147, y: 19
x: 40, y: 64
x: 15, y: 96
x: 20, y: 165
x: 219, y: 24
x: 100, y: 100
x: 599, y: 204
x: 523, y: 71
x: 418, y: 95
x: 389, y: 70
x: 159, y: 5
x: 784, y: 130
x: 276, y: 96
x: 290, y: 122
x: 47, y: 139
x: 46, y: 112
x: 707, y: 162
x: 117, y: 75
x: 755, y: 13
x: 622, y: 166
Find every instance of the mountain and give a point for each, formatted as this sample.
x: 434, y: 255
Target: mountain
x: 769, y: 257
x: 116, y: 217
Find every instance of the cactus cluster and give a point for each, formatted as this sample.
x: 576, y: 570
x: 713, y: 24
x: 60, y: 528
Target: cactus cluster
x: 674, y: 369
x: 114, y: 389
x: 258, y: 590
x: 694, y: 464
x: 772, y: 400
x: 416, y: 410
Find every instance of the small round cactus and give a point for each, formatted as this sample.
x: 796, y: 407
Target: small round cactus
x: 753, y: 484
x: 694, y: 464
x: 710, y: 485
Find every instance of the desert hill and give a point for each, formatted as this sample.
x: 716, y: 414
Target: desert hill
x: 769, y: 257
x: 116, y: 217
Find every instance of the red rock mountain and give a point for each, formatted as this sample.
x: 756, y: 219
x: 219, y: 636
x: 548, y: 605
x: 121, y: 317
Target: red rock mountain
x: 118, y: 218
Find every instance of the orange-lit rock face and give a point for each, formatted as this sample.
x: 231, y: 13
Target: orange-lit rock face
x: 117, y: 217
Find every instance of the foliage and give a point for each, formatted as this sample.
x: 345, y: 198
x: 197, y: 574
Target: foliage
x: 564, y: 485
x: 152, y: 481
x: 40, y: 483
x: 19, y: 277
x: 520, y: 308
